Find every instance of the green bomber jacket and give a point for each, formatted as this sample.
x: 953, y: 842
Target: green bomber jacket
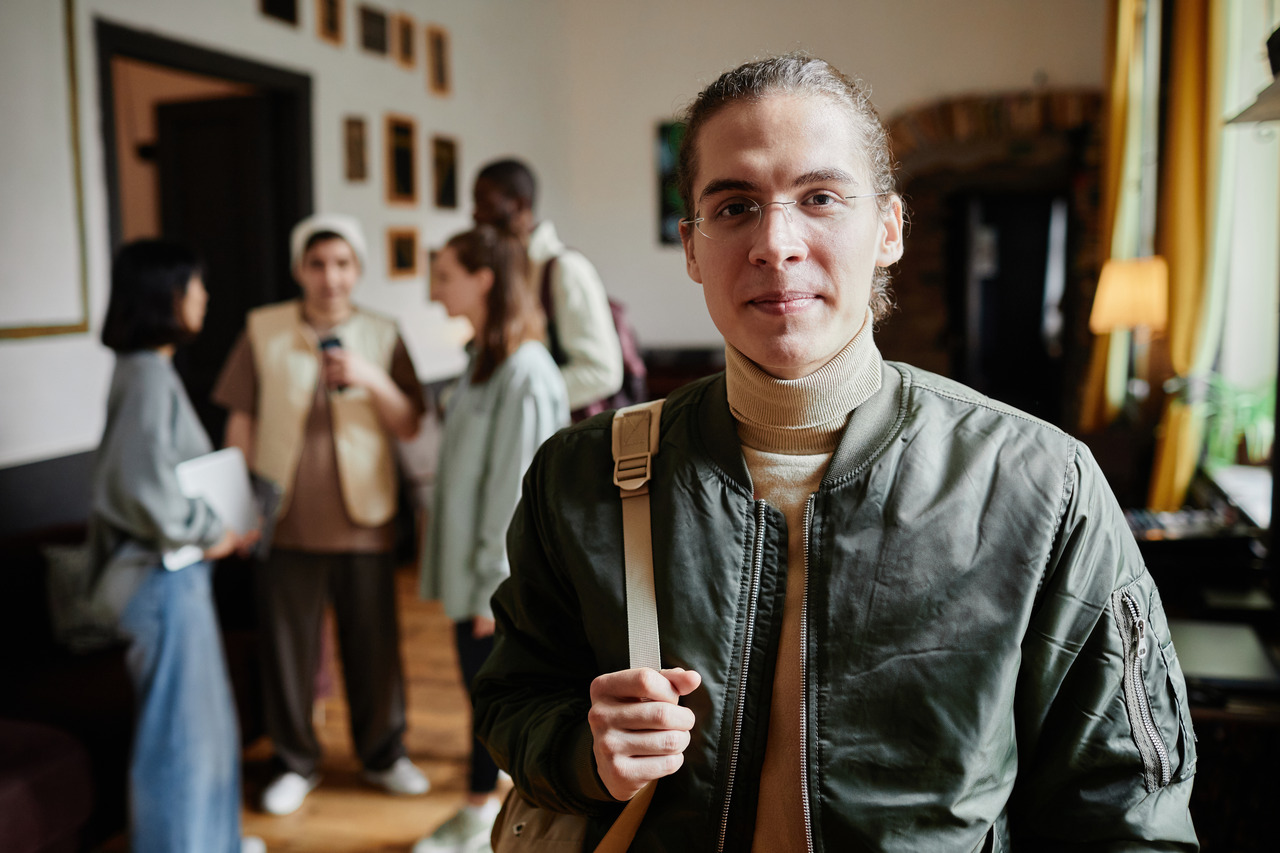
x: 986, y: 661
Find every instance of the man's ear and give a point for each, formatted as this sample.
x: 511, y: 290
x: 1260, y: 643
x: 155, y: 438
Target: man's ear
x: 690, y: 259
x: 889, y: 248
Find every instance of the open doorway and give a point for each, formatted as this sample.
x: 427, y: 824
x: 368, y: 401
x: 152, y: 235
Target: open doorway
x: 213, y: 151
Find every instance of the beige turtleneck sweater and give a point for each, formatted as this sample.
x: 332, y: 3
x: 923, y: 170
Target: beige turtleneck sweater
x: 789, y: 430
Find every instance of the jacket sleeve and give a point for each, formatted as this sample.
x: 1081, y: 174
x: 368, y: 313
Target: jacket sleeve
x: 1106, y: 749
x: 584, y: 327
x: 139, y: 493
x: 532, y: 695
x: 526, y: 415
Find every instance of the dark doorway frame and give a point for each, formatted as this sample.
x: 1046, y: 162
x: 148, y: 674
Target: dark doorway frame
x: 290, y: 94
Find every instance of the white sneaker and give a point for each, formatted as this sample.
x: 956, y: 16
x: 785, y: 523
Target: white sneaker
x: 252, y: 844
x: 401, y: 778
x: 285, y: 795
x: 466, y: 832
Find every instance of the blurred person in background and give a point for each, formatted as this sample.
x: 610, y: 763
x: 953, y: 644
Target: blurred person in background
x: 319, y: 390
x: 510, y: 399
x: 581, y: 332
x: 154, y: 549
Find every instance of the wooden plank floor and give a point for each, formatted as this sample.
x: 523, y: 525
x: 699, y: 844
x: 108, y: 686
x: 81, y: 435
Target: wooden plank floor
x: 345, y: 815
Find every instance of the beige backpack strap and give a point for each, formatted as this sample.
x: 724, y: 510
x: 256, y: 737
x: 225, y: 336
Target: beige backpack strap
x: 635, y: 442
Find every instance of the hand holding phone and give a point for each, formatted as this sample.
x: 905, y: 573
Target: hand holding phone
x: 328, y: 344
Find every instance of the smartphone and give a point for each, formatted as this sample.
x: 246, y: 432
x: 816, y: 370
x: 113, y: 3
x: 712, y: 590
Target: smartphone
x: 328, y: 343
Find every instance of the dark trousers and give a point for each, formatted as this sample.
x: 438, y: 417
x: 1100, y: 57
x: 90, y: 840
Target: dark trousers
x: 472, y: 654
x: 292, y: 589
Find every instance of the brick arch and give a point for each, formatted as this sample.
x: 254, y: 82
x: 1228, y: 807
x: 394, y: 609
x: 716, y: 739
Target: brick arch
x: 937, y: 132
x: 1047, y: 140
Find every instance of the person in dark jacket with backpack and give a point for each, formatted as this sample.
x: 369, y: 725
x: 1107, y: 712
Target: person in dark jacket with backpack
x: 894, y: 614
x: 581, y: 333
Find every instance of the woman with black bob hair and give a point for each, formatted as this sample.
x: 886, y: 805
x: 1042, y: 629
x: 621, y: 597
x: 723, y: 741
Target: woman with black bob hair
x: 153, y: 550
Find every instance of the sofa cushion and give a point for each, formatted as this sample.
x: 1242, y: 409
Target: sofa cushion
x: 46, y: 791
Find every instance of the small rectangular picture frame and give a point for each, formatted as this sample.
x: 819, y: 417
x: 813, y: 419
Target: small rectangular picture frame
x: 444, y: 172
x: 402, y: 252
x: 439, y: 74
x: 401, y: 159
x: 670, y: 205
x: 329, y: 20
x: 404, y: 40
x: 355, y: 148
x: 281, y: 10
x: 375, y: 30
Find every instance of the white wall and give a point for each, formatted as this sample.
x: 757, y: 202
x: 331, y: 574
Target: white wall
x: 632, y: 65
x: 576, y: 87
x: 52, y: 390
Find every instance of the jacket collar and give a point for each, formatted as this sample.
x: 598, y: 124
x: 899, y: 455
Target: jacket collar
x: 871, y: 426
x: 545, y: 243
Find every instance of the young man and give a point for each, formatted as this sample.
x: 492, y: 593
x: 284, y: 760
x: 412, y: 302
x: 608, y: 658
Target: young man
x: 897, y: 615
x: 318, y: 390
x: 586, y: 343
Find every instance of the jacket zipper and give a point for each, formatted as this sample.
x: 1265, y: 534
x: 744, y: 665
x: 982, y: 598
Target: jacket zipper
x: 757, y: 558
x: 804, y: 683
x: 1138, y: 687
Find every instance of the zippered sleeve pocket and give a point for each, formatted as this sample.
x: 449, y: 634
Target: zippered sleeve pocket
x: 1155, y: 693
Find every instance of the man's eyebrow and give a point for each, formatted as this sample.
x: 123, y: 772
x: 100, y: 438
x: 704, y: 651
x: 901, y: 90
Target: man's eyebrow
x: 823, y: 176
x: 814, y: 176
x: 721, y: 185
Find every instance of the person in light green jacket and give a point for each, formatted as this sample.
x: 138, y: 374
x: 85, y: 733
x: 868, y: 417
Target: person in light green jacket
x: 510, y: 399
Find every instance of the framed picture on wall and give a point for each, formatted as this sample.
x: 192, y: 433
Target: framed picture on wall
x: 670, y: 207
x: 281, y: 10
x: 403, y: 29
x: 355, y: 148
x: 60, y: 304
x: 329, y: 20
x: 439, y: 80
x: 402, y: 168
x: 402, y: 252
x: 373, y: 30
x: 444, y: 171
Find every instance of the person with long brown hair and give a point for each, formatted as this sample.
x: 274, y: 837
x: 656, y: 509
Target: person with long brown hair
x: 510, y: 399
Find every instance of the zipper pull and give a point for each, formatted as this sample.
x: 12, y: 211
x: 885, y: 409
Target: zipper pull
x: 1142, y: 636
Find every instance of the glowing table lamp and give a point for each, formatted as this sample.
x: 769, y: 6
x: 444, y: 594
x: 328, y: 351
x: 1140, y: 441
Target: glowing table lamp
x: 1133, y: 294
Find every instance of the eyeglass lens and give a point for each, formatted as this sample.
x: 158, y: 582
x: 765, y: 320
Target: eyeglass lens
x: 738, y: 216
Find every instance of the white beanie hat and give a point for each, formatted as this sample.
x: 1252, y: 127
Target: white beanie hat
x: 346, y: 227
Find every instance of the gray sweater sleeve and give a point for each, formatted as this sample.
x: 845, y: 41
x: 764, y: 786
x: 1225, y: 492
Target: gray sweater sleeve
x: 150, y: 429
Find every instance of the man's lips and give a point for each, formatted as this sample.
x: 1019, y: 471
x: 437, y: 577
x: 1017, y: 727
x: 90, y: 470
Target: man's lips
x: 784, y: 303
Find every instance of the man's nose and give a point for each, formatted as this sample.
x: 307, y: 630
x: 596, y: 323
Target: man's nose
x: 777, y: 239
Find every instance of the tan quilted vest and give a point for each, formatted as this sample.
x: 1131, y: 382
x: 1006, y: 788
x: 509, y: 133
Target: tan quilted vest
x: 286, y: 354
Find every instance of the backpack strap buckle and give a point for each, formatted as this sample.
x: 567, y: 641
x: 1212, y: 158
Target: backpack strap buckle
x: 635, y: 442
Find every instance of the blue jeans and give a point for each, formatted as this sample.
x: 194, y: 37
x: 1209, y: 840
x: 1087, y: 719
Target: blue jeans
x: 184, y: 774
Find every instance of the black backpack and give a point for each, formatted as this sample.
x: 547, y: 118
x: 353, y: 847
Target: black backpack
x: 635, y: 388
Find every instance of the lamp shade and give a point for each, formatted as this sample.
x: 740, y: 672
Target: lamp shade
x: 1131, y: 293
x: 1267, y: 105
x: 1265, y: 108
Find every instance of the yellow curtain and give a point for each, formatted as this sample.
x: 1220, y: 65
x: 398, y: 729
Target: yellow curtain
x: 1109, y: 359
x: 1188, y: 189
